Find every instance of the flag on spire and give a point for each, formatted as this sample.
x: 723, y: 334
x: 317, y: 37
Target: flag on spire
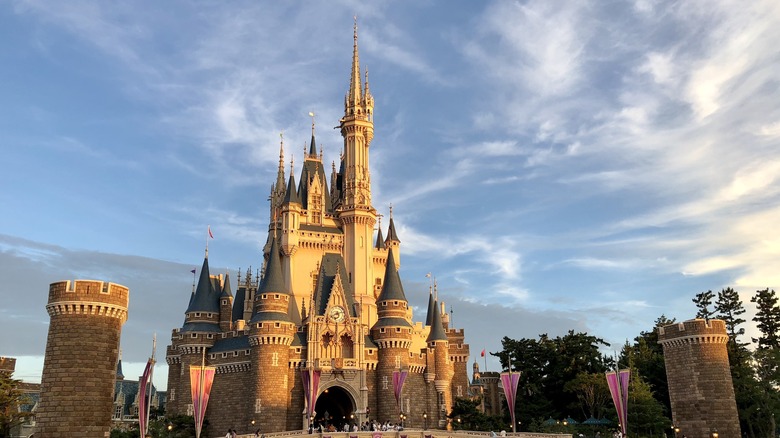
x: 483, y: 353
x: 210, y: 235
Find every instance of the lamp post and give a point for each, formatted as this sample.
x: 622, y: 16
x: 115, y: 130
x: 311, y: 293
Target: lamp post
x: 676, y: 431
x: 170, y: 428
x: 715, y: 433
x: 459, y: 423
x: 425, y: 420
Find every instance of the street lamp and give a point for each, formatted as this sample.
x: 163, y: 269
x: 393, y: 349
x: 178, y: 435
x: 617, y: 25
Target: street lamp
x: 459, y: 423
x: 676, y: 431
x: 425, y: 420
x: 715, y: 433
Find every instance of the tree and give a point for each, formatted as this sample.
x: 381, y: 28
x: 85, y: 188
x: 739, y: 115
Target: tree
x: 767, y: 319
x: 11, y: 397
x: 466, y: 415
x: 646, y: 357
x: 703, y: 301
x: 592, y: 391
x: 545, y: 366
x: 646, y: 416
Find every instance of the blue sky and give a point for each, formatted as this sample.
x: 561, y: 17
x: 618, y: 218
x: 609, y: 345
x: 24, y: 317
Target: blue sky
x: 583, y: 165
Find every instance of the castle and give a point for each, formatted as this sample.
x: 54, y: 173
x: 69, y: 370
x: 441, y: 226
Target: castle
x: 330, y: 299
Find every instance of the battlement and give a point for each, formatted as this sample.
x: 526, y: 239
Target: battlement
x: 88, y: 297
x: 698, y: 331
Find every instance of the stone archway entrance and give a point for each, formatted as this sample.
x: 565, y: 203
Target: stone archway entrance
x: 335, y: 406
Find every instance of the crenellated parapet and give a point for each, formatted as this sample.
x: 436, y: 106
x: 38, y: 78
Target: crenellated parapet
x: 695, y: 331
x: 88, y: 297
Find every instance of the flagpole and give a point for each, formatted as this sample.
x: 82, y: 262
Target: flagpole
x: 514, y: 426
x: 201, y: 388
x: 485, y: 358
x: 151, y: 384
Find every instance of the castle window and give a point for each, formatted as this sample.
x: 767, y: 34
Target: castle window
x: 258, y: 406
x: 265, y: 296
x: 246, y: 352
x: 235, y: 354
x: 173, y: 394
x: 224, y: 302
x: 382, y: 330
x: 190, y: 410
x: 277, y: 325
x: 210, y: 336
x: 197, y: 314
x: 276, y: 296
x: 460, y: 391
x: 398, y: 329
x: 117, y: 412
x: 298, y: 350
x: 224, y: 355
x: 395, y: 303
x: 193, y: 335
x: 384, y: 382
x: 275, y: 360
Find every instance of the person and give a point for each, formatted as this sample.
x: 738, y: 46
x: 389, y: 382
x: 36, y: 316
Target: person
x: 257, y: 433
x: 233, y: 433
x: 229, y: 434
x: 503, y: 433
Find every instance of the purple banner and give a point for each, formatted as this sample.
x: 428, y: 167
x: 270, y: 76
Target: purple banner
x: 311, y: 386
x: 509, y: 381
x: 399, y: 377
x: 618, y: 388
x: 142, y: 397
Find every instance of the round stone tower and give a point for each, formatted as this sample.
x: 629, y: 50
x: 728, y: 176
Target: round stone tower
x: 82, y: 350
x: 700, y: 386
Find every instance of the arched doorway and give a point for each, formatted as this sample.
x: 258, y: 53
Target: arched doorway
x: 334, y: 407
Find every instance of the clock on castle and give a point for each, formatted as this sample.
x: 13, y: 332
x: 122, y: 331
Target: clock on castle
x: 330, y: 299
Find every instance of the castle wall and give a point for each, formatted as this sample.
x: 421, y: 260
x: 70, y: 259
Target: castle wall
x: 82, y: 350
x: 700, y: 385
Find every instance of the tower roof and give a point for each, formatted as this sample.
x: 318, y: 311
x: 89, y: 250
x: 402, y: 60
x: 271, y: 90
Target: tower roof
x: 226, y: 292
x: 437, y: 329
x: 273, y: 281
x: 292, y: 192
x: 380, y: 241
x: 431, y: 305
x: 355, y: 92
x: 205, y: 298
x: 392, y: 289
x: 392, y: 236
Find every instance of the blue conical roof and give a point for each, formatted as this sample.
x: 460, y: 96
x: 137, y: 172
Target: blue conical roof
x: 437, y: 329
x: 292, y: 192
x: 392, y: 289
x: 431, y: 305
x: 205, y: 298
x: 273, y: 280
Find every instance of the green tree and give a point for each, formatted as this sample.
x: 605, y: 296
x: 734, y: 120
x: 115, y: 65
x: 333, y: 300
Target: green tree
x: 11, y: 397
x: 545, y: 366
x: 646, y: 357
x: 767, y: 319
x: 466, y: 415
x: 646, y: 416
x: 703, y: 301
x: 592, y: 391
x: 766, y: 405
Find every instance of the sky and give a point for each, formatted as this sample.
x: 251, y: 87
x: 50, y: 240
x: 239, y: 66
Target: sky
x: 557, y: 166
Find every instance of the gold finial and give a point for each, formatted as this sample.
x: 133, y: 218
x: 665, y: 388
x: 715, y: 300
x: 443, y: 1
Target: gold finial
x: 355, y: 29
x: 292, y: 162
x: 311, y: 114
x: 391, y: 211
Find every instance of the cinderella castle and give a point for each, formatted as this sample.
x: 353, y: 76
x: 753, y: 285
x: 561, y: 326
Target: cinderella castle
x: 329, y: 299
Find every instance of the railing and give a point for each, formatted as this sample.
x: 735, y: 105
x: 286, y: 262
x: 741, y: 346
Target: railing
x: 407, y: 433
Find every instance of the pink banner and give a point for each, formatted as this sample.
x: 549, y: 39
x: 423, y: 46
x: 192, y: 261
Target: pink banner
x: 311, y: 386
x: 399, y: 377
x: 618, y: 387
x: 142, y: 397
x: 509, y: 381
x: 201, y: 379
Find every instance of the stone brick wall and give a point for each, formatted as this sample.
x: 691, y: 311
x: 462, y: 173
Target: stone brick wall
x: 270, y: 382
x: 700, y: 385
x: 82, y: 350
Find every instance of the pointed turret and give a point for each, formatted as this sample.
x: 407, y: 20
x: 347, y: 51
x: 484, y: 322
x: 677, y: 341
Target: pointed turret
x: 380, y: 241
x: 205, y: 298
x: 431, y: 305
x: 355, y: 95
x: 292, y: 192
x: 392, y: 236
x: 273, y: 281
x: 437, y: 329
x: 392, y: 289
x: 313, y: 144
x: 226, y: 305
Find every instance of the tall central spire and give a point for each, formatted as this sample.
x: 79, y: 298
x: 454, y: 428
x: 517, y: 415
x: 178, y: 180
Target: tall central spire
x: 355, y: 91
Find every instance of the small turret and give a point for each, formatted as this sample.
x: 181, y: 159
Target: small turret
x: 226, y: 306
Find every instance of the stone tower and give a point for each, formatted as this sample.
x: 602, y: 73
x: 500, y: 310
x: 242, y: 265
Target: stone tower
x: 82, y: 350
x: 700, y: 386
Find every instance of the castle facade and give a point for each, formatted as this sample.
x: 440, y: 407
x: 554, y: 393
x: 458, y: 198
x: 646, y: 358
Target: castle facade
x: 330, y: 299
